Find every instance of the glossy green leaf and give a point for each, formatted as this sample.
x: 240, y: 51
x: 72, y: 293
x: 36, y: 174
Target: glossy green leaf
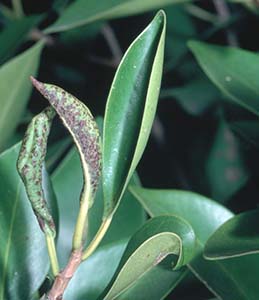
x: 15, y: 89
x: 157, y: 239
x: 130, y: 110
x: 82, y: 12
x: 156, y: 284
x: 23, y: 255
x: 232, y: 70
x: 227, y: 279
x: 14, y: 34
x: 225, y: 168
x: 30, y: 165
x: 67, y: 182
x: 238, y: 236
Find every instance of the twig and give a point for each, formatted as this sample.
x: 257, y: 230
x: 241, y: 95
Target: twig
x: 114, y: 46
x: 200, y: 13
x: 63, y: 278
x: 36, y: 35
x: 224, y: 14
x: 18, y: 9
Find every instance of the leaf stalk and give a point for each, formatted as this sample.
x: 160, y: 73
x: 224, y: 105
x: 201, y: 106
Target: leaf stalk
x: 52, y: 254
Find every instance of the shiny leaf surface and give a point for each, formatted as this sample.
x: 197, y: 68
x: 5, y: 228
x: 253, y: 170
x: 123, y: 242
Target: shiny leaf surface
x: 233, y: 71
x: 225, y: 278
x: 157, y: 239
x: 130, y: 110
x: 238, y: 236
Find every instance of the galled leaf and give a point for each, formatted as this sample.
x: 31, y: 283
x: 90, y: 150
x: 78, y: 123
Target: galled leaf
x: 24, y: 261
x: 81, y: 124
x: 30, y: 164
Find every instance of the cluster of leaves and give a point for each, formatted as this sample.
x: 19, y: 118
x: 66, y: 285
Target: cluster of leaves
x: 139, y: 243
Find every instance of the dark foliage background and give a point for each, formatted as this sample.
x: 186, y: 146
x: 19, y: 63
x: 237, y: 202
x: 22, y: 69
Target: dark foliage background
x: 201, y: 141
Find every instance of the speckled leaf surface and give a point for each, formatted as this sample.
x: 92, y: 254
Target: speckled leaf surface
x: 130, y: 110
x: 82, y: 126
x: 30, y: 166
x: 24, y: 260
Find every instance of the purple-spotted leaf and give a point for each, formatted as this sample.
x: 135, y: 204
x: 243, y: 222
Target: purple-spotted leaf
x: 82, y: 126
x: 30, y: 166
x: 79, y: 121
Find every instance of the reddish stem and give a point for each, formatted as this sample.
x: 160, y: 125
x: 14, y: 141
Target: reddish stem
x: 63, y: 278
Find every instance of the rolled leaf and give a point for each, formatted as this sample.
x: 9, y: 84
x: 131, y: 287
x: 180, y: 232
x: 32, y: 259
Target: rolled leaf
x: 156, y: 240
x: 30, y: 164
x: 82, y: 126
x: 130, y: 110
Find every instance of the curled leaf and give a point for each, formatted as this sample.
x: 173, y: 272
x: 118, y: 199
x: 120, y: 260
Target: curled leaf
x: 30, y: 164
x: 81, y: 124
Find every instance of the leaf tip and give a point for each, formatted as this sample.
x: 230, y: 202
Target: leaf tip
x: 37, y: 84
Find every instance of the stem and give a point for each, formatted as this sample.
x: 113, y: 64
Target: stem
x: 200, y: 13
x: 98, y: 238
x: 63, y: 278
x: 224, y: 15
x: 52, y: 254
x: 78, y: 238
x: 18, y: 9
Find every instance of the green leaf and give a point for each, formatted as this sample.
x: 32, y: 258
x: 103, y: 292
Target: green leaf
x: 238, y: 236
x: 157, y: 239
x: 14, y: 34
x: 67, y: 182
x: 15, y: 89
x: 79, y: 121
x: 23, y: 255
x: 227, y: 279
x: 130, y: 110
x: 225, y: 168
x: 233, y: 71
x: 30, y: 165
x: 83, y: 12
x: 156, y: 283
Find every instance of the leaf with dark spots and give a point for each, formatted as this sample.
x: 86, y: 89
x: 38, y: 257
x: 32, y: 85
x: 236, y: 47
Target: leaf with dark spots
x: 81, y: 124
x: 30, y: 163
